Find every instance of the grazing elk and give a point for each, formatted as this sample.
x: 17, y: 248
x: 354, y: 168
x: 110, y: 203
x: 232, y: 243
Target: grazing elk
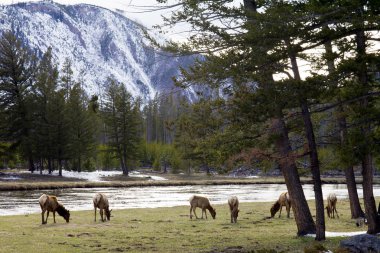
x: 51, y: 204
x: 283, y: 200
x: 201, y: 202
x: 233, y: 202
x: 100, y: 201
x: 331, y: 206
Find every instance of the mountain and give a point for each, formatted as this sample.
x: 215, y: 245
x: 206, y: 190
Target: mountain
x: 100, y: 44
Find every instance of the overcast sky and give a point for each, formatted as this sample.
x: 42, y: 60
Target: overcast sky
x: 133, y: 9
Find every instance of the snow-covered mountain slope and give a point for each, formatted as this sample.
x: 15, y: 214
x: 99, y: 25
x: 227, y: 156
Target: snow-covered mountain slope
x: 100, y: 44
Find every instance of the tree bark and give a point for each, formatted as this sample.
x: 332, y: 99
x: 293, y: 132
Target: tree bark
x: 79, y: 164
x: 50, y: 166
x: 369, y: 200
x: 41, y: 165
x: 356, y: 209
x: 314, y: 162
x: 313, y: 152
x: 31, y: 164
x: 302, y: 215
x: 60, y: 167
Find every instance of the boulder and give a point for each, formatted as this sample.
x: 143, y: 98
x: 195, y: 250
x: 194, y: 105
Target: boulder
x: 361, y: 243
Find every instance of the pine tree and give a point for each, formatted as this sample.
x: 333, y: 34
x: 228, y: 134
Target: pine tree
x: 244, y: 50
x: 82, y: 128
x: 44, y: 93
x: 121, y: 116
x: 17, y: 66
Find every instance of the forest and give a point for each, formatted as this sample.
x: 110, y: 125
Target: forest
x: 49, y: 122
x: 260, y: 106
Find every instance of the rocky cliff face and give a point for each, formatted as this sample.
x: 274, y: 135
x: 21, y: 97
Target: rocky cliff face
x: 100, y: 44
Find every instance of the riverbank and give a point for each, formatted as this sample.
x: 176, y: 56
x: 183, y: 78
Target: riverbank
x: 14, y: 181
x: 168, y: 230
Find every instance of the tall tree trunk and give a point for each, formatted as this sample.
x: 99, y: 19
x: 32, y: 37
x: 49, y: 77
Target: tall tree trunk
x: 79, y: 164
x: 314, y: 162
x: 302, y: 215
x: 31, y: 164
x: 356, y: 210
x: 369, y: 200
x: 50, y: 169
x: 313, y: 152
x: 304, y: 220
x: 41, y: 165
x: 125, y: 169
x: 122, y: 161
x: 367, y: 166
x: 60, y: 167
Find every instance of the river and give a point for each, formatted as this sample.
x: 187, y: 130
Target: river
x: 26, y: 202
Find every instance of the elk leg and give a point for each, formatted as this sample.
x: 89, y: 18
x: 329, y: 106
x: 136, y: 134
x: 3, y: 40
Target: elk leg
x: 195, y: 212
x: 288, y: 209
x: 101, y: 214
x: 42, y: 216
x: 95, y: 213
x: 279, y: 216
x: 337, y: 215
x: 54, y: 216
x: 206, y: 214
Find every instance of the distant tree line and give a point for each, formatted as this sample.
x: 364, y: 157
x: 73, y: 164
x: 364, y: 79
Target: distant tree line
x: 48, y: 122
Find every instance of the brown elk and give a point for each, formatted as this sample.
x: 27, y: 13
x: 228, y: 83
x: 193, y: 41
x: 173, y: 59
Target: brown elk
x: 283, y: 200
x: 233, y: 203
x: 51, y: 204
x: 331, y: 206
x: 203, y: 203
x: 100, y: 201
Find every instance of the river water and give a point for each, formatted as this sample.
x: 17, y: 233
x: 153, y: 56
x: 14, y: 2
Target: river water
x: 26, y: 202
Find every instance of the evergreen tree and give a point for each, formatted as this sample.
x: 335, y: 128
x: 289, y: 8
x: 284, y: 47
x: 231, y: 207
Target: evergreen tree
x: 60, y: 126
x: 44, y: 93
x: 245, y: 49
x: 67, y: 80
x: 17, y: 67
x: 82, y: 127
x: 121, y: 117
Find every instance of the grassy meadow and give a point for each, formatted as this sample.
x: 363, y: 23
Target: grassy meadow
x: 167, y: 230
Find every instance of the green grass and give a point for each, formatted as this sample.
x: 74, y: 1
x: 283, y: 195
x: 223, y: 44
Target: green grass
x: 166, y: 230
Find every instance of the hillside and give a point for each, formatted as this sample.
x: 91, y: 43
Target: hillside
x: 100, y: 44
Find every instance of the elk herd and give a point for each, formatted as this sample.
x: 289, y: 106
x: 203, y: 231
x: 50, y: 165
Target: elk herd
x: 50, y: 204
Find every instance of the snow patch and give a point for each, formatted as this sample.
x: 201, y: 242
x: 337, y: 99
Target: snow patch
x: 138, y: 174
x: 340, y: 234
x: 97, y: 176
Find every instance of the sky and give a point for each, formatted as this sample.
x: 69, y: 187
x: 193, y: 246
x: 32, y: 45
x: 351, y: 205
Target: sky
x: 133, y: 9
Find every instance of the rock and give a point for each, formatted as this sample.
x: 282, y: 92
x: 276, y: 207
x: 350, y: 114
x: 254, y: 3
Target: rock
x: 361, y: 243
